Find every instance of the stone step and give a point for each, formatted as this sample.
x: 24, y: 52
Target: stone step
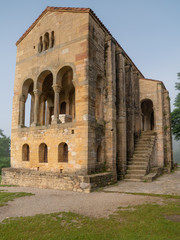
x: 148, y: 132
x: 133, y: 176
x: 137, y: 166
x: 132, y: 180
x: 143, y: 142
x: 141, y: 155
x: 136, y: 171
x: 138, y: 160
x: 142, y: 146
x: 147, y: 144
x: 141, y: 151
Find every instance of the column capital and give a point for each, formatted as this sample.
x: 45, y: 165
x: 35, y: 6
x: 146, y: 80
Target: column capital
x: 56, y: 88
x: 120, y: 52
x: 36, y: 92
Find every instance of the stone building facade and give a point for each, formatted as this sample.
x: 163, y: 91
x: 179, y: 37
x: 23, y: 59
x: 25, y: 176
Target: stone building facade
x: 89, y: 106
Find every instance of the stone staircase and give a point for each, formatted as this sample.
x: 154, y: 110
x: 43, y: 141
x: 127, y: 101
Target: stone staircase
x: 139, y: 165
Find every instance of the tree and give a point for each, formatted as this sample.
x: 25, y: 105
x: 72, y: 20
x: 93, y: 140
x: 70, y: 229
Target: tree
x: 4, y: 145
x: 175, y: 115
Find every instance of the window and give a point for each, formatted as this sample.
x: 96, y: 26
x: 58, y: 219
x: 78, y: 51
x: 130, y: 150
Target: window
x: 99, y: 154
x: 40, y: 45
x: 63, y: 152
x: 43, y: 153
x: 52, y: 39
x: 25, y: 152
x: 46, y: 42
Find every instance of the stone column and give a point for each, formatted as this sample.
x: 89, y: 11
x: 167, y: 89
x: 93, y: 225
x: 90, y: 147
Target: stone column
x: 137, y: 109
x: 57, y: 90
x: 36, y: 107
x: 22, y: 101
x: 67, y: 104
x: 110, y: 107
x: 130, y: 109
x: 47, y: 114
x: 32, y: 109
x: 121, y: 116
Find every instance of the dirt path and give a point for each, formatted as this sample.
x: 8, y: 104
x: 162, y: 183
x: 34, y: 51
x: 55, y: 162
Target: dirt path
x: 166, y: 184
x: 97, y: 204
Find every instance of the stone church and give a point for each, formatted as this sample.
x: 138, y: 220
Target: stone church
x: 94, y: 118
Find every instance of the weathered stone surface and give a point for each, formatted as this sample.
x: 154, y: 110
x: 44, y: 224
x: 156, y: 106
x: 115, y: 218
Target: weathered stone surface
x: 86, y: 105
x: 32, y: 178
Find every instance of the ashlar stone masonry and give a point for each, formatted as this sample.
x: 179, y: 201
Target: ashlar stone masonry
x: 89, y: 108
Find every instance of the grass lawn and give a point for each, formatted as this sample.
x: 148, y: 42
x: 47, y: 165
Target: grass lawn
x: 6, y: 196
x: 144, y: 222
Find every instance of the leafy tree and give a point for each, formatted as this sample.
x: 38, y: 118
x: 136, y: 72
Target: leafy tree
x: 4, y: 145
x: 4, y: 151
x: 175, y: 115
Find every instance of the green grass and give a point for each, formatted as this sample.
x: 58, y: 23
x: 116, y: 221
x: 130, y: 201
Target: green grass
x: 7, y: 196
x: 145, y: 222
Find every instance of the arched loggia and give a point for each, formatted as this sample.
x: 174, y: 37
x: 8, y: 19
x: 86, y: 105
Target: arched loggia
x: 44, y: 99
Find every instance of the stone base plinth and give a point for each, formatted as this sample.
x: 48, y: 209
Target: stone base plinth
x: 53, y: 180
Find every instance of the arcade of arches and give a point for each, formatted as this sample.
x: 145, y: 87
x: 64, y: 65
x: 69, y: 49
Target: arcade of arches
x: 50, y: 104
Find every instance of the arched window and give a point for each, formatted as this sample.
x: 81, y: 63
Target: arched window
x: 147, y: 115
x: 63, y: 152
x: 25, y: 152
x: 43, y: 153
x: 40, y: 45
x: 99, y: 154
x: 52, y: 39
x: 46, y: 41
x: 63, y: 108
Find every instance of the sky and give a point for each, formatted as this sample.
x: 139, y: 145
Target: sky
x: 148, y: 30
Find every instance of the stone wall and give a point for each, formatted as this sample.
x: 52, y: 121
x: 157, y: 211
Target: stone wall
x: 70, y: 49
x: 156, y: 92
x: 68, y: 182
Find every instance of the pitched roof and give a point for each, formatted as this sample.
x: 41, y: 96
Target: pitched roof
x: 69, y: 9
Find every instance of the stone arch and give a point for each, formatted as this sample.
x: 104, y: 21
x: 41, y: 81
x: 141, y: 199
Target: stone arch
x: 25, y: 152
x: 43, y: 153
x: 62, y: 72
x: 147, y: 115
x: 46, y: 97
x: 26, y: 94
x: 67, y: 94
x: 41, y: 78
x: 63, y: 152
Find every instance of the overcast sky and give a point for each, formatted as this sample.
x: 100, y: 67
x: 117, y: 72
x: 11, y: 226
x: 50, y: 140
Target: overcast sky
x: 148, y: 30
